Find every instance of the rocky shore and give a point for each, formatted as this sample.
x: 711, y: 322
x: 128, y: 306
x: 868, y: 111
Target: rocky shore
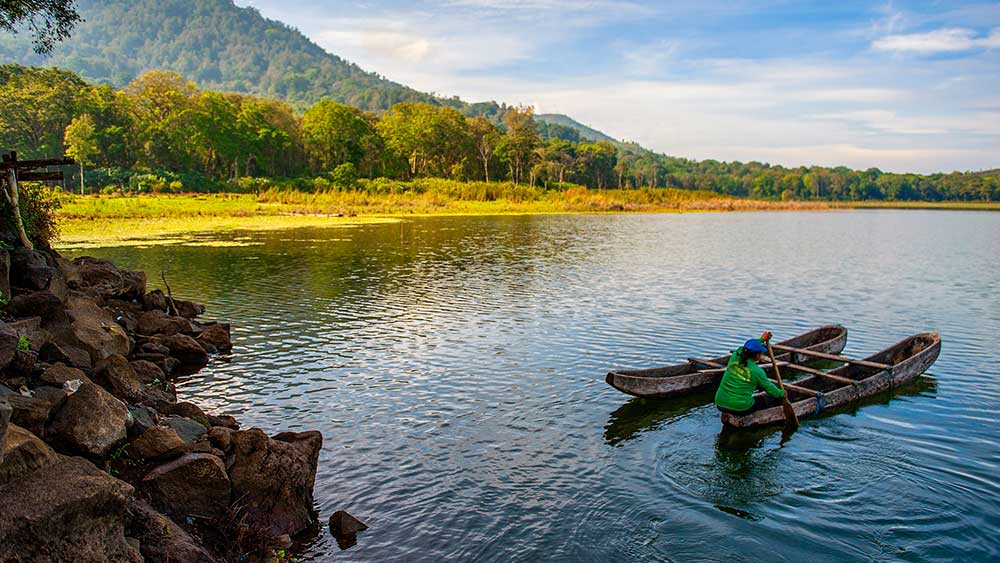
x: 98, y: 459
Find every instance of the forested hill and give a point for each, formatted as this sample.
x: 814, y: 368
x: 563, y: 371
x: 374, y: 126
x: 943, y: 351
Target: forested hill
x: 586, y: 133
x: 214, y: 43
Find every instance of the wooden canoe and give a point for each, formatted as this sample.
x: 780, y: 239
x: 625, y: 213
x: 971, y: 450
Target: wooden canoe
x: 684, y: 379
x: 892, y: 367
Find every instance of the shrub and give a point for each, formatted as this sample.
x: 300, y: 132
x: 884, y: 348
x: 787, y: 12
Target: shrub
x: 38, y: 213
x: 345, y: 175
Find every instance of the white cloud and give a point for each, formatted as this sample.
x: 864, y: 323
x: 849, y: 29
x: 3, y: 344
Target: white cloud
x: 947, y: 40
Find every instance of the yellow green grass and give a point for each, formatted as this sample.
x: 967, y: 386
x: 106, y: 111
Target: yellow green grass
x: 167, y: 219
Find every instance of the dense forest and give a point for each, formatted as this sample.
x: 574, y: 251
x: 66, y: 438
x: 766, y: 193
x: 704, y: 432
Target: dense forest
x: 163, y: 133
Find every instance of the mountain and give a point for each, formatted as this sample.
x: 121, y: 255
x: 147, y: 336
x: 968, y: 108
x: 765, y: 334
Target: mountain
x: 585, y: 132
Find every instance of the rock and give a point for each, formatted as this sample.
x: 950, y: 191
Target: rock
x: 161, y: 540
x: 4, y: 274
x: 23, y: 452
x: 63, y: 353
x: 5, y: 412
x: 345, y: 528
x: 191, y: 485
x: 189, y: 430
x: 116, y: 375
x: 106, y: 280
x: 225, y: 420
x: 187, y: 410
x: 154, y: 348
x: 59, y: 374
x: 221, y: 437
x: 69, y: 271
x: 216, y: 338
x: 159, y: 442
x: 187, y: 309
x: 39, y: 304
x: 9, y: 339
x: 158, y: 322
x: 275, y: 477
x: 31, y: 413
x: 148, y: 372
x: 185, y: 349
x: 143, y: 418
x: 31, y: 270
x: 154, y: 300
x: 124, y: 313
x: 22, y: 363
x: 66, y: 511
x: 93, y: 330
x: 91, y: 421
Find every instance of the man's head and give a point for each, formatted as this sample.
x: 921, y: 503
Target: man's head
x: 755, y: 348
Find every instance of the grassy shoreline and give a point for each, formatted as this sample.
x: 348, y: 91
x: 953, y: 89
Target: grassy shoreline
x: 147, y: 219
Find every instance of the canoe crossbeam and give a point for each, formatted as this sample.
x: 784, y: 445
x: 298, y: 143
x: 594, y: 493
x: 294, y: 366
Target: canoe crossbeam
x: 833, y: 357
x: 839, y: 379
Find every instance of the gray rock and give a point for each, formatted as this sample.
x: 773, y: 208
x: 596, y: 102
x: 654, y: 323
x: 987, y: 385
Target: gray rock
x: 66, y: 511
x: 191, y: 485
x: 91, y: 421
x: 189, y: 430
x: 143, y: 418
x: 161, y: 540
x: 159, y: 442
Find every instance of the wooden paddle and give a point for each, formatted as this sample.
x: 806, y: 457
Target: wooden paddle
x: 791, y: 418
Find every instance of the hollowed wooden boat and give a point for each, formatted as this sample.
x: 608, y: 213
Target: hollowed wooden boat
x: 684, y: 379
x: 859, y: 379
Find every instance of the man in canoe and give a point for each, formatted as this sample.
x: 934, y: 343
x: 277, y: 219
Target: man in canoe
x: 743, y: 377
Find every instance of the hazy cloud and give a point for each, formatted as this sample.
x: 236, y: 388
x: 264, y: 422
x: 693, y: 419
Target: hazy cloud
x: 949, y: 40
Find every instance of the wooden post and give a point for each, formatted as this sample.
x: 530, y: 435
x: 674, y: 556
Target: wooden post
x: 11, y: 192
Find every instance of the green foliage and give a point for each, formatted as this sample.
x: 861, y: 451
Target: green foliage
x: 50, y: 21
x: 39, y: 206
x: 345, y: 175
x: 23, y: 344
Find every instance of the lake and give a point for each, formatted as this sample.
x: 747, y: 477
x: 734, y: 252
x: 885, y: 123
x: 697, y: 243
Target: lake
x: 456, y: 368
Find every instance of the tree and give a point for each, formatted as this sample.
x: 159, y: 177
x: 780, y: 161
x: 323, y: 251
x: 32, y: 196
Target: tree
x: 81, y: 142
x: 162, y: 104
x: 335, y: 134
x: 518, y: 146
x: 36, y: 105
x: 485, y: 136
x: 50, y: 21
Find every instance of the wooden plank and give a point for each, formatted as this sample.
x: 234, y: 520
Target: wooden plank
x: 818, y: 373
x: 39, y: 176
x: 833, y: 357
x: 32, y: 164
x: 802, y: 390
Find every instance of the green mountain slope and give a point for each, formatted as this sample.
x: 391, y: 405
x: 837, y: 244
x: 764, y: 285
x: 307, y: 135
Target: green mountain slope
x: 585, y: 132
x: 215, y: 44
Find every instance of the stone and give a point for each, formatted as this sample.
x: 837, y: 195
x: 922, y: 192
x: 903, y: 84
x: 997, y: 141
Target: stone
x: 39, y: 304
x: 154, y: 348
x: 159, y: 442
x: 143, y: 418
x: 275, y: 477
x: 157, y: 322
x: 23, y: 453
x: 31, y: 413
x: 345, y: 528
x: 185, y: 349
x: 187, y: 309
x: 63, y: 353
x: 148, y: 372
x: 93, y: 330
x: 154, y: 300
x: 9, y: 339
x: 191, y: 485
x: 5, y: 412
x: 91, y: 421
x: 124, y: 313
x: 189, y: 430
x: 161, y: 540
x: 226, y: 420
x: 221, y: 437
x: 216, y: 338
x: 31, y: 270
x: 187, y: 410
x: 66, y: 511
x: 116, y: 375
x: 59, y: 374
x: 108, y: 281
x: 4, y: 274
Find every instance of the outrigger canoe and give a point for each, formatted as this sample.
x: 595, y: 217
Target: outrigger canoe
x: 684, y: 379
x: 850, y: 383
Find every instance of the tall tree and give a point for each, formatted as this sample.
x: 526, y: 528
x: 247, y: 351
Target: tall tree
x: 485, y: 137
x: 335, y: 134
x: 50, y: 21
x: 81, y: 142
x: 519, y: 144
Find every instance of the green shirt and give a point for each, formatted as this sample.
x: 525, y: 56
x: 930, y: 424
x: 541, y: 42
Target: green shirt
x: 739, y: 383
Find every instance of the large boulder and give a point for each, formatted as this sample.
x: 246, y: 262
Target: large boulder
x: 189, y: 430
x: 42, y: 304
x: 66, y: 511
x: 216, y: 338
x: 58, y: 374
x: 32, y: 270
x: 91, y: 421
x: 32, y: 413
x: 108, y: 281
x: 275, y: 476
x: 158, y: 322
x: 188, y: 309
x: 159, y: 442
x: 8, y: 344
x: 185, y: 349
x: 116, y: 375
x: 143, y: 418
x: 93, y: 330
x: 23, y: 452
x: 155, y: 300
x: 161, y: 540
x: 191, y: 485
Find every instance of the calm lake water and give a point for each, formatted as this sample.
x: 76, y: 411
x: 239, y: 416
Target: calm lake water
x: 456, y: 369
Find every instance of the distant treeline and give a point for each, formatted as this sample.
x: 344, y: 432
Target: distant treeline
x: 162, y: 133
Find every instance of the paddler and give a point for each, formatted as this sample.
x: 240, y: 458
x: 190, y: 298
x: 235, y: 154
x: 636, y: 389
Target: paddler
x: 743, y: 377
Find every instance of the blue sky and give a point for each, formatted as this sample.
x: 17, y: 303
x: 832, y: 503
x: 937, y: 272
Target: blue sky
x: 903, y: 86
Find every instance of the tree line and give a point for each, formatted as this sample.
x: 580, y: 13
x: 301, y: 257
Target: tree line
x: 165, y: 126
